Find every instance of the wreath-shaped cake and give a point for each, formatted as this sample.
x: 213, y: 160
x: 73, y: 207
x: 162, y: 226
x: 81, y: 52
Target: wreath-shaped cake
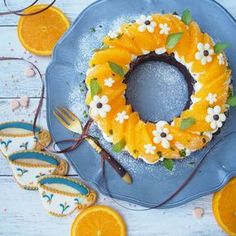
x: 177, y: 41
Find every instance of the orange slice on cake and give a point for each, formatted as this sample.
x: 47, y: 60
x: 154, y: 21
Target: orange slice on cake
x: 224, y: 207
x: 98, y: 220
x: 39, y: 33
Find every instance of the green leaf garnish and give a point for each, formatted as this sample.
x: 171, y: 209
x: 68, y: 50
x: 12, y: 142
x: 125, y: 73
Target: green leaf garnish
x: 187, y: 17
x: 220, y: 47
x: 94, y: 87
x: 168, y: 164
x: 116, y: 68
x: 173, y: 39
x: 188, y: 122
x: 232, y: 101
x: 118, y: 147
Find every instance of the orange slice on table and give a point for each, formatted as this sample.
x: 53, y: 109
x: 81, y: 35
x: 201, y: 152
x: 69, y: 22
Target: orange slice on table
x: 39, y: 33
x: 98, y: 221
x: 224, y: 207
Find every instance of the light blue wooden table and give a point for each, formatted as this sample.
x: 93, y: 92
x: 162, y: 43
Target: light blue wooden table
x: 21, y: 212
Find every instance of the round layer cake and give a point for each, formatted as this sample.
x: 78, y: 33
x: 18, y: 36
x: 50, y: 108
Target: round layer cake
x: 176, y: 41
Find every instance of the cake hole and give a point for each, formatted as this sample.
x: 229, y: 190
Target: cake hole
x: 157, y: 90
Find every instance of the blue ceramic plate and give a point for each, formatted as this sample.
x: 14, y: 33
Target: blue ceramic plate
x: 151, y: 183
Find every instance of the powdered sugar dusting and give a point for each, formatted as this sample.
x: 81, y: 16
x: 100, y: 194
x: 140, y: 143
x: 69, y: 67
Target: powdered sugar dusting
x: 93, y: 39
x: 86, y: 44
x: 163, y: 87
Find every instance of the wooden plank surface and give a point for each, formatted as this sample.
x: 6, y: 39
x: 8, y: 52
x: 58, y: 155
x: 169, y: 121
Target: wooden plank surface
x: 71, y: 7
x: 21, y: 212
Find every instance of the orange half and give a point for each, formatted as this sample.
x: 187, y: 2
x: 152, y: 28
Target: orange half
x: 98, y: 221
x: 39, y: 33
x: 224, y: 207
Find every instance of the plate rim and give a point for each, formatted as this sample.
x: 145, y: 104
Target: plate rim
x: 98, y: 187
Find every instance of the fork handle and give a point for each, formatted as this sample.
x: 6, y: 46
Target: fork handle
x: 112, y: 161
x: 116, y: 166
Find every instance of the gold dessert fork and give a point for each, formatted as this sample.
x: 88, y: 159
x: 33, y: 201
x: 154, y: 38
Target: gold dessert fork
x: 70, y: 121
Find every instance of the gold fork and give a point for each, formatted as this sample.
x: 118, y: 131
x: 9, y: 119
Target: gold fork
x: 70, y: 121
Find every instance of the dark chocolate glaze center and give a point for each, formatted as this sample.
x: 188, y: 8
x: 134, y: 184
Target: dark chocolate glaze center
x: 169, y: 59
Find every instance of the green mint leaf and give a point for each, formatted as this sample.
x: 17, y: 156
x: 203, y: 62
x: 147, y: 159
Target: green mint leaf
x: 118, y: 147
x: 231, y: 101
x: 94, y: 87
x: 220, y: 47
x: 168, y: 164
x: 187, y: 17
x: 116, y: 68
x: 188, y: 122
x: 173, y: 39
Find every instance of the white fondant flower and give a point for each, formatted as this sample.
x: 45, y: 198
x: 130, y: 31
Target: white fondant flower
x: 215, y: 117
x: 121, y: 117
x: 99, y: 106
x: 159, y: 51
x: 161, y: 134
x: 164, y: 28
x: 221, y: 59
x: 204, y: 53
x: 109, y: 82
x: 146, y: 23
x: 185, y: 151
x: 211, y: 98
x: 113, y: 34
x: 149, y: 149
